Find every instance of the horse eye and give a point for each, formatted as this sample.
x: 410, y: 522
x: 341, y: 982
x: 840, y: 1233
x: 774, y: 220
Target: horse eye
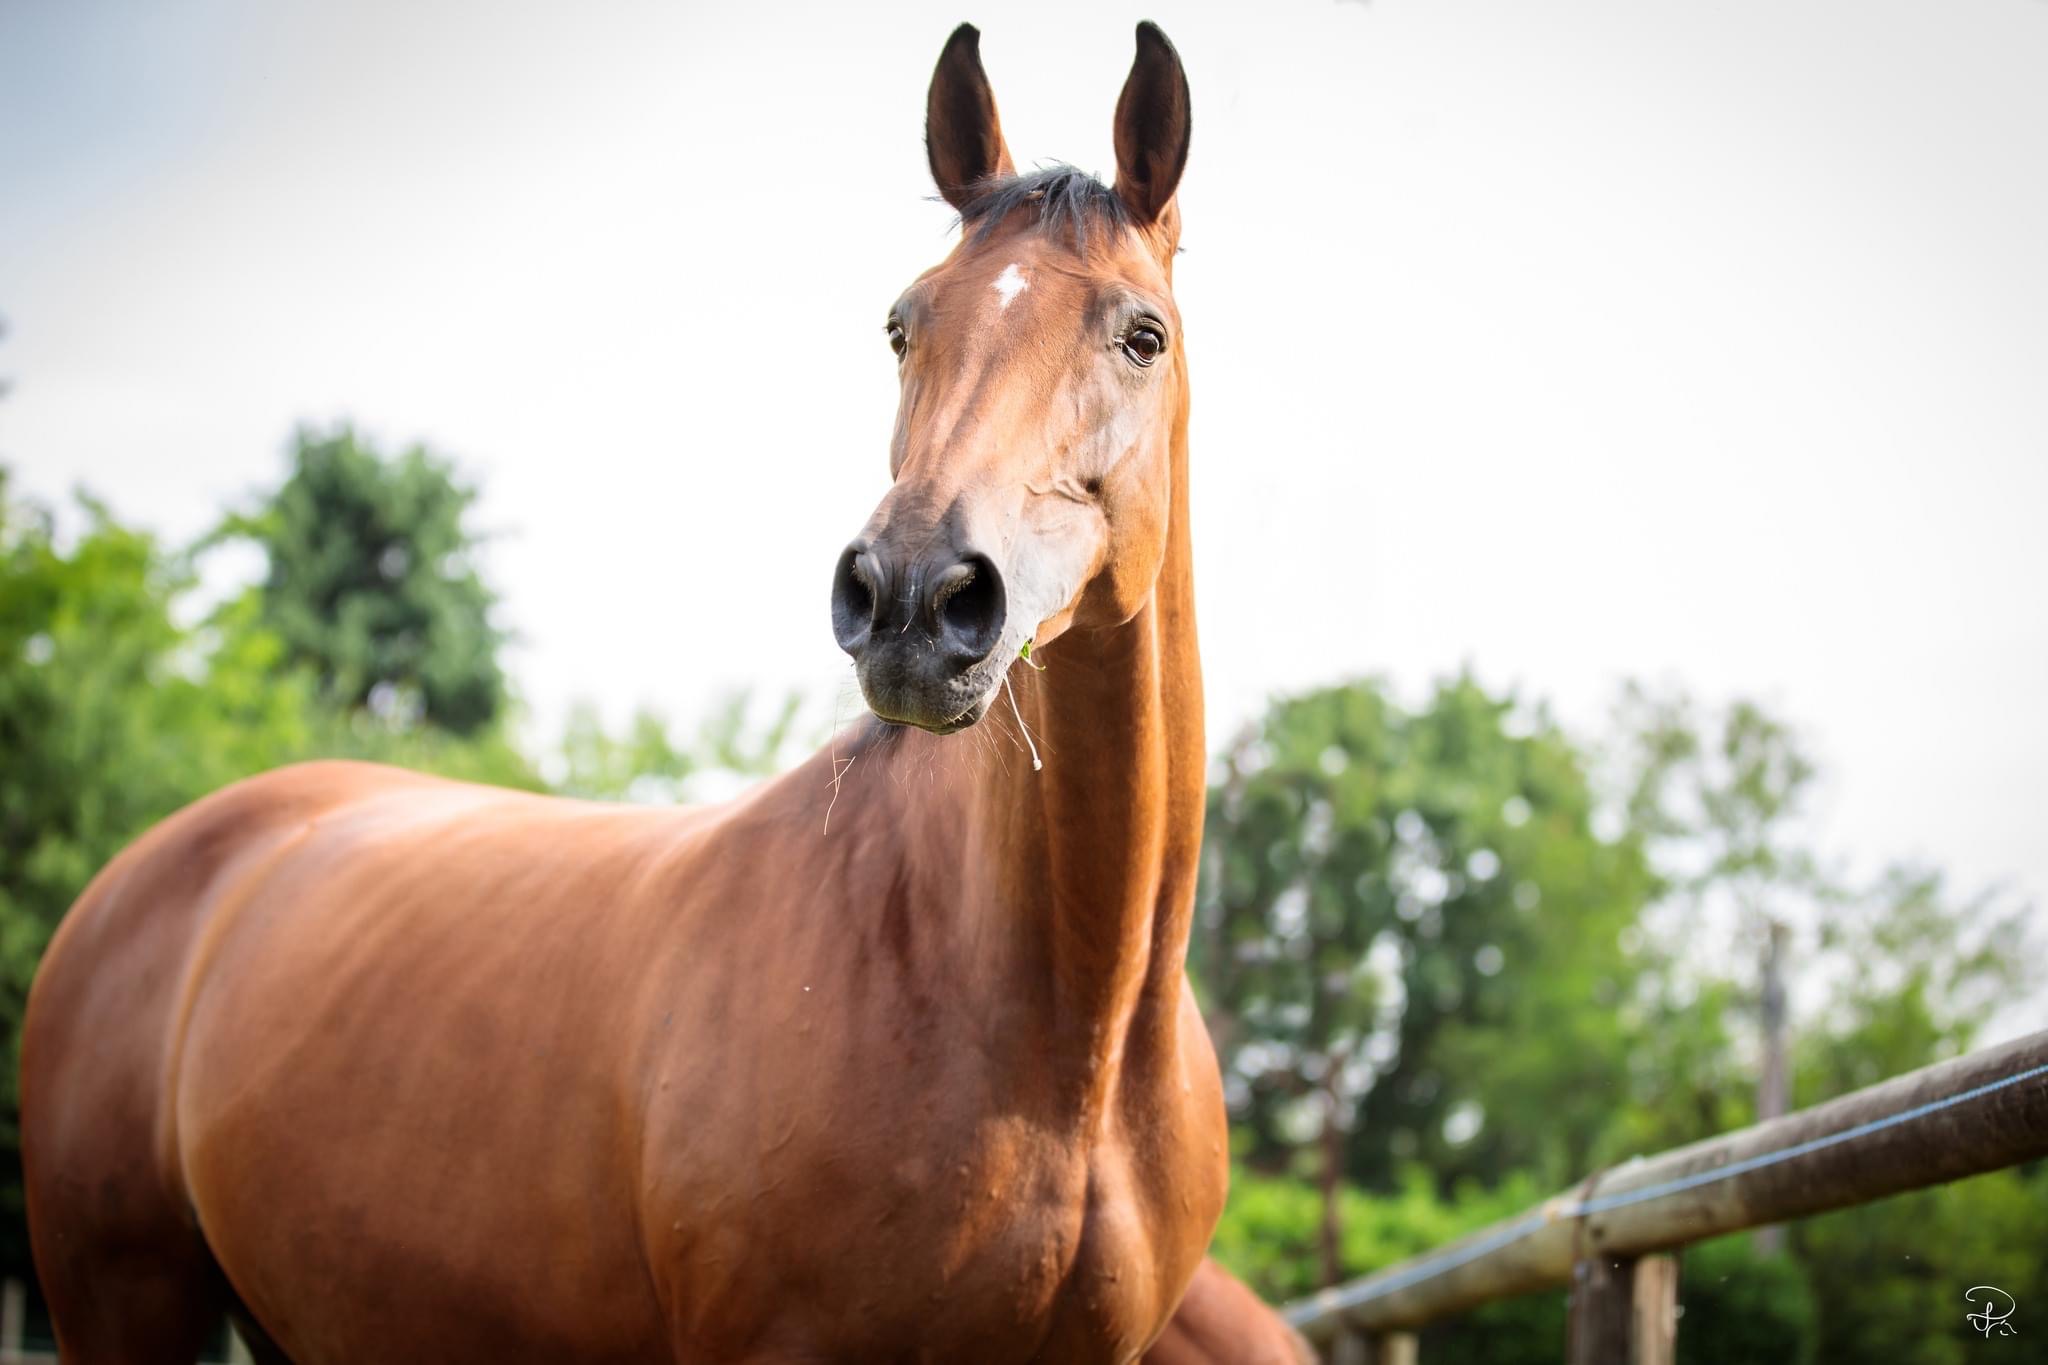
x: 1143, y: 345
x: 897, y: 341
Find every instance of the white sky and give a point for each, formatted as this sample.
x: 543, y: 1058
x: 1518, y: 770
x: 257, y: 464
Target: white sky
x: 1573, y: 340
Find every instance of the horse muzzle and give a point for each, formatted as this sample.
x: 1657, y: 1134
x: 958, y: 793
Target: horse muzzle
x: 924, y: 632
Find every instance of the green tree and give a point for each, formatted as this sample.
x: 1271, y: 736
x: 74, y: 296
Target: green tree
x: 1892, y: 976
x: 1719, y: 804
x: 650, y: 761
x: 1409, y: 940
x: 1744, y: 1305
x: 111, y: 716
x: 1913, y: 974
x: 371, y: 583
x: 1716, y: 795
x: 1888, y: 1278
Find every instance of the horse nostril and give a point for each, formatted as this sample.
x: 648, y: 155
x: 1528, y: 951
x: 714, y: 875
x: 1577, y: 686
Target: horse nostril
x: 853, y: 598
x: 968, y: 601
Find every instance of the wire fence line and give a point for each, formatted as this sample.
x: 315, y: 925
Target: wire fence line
x: 1976, y: 1113
x: 1757, y: 1163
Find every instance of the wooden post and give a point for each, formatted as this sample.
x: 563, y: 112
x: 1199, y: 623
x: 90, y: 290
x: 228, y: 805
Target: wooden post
x: 1653, y: 1331
x: 1772, y: 1086
x: 238, y: 1349
x: 1395, y: 1348
x: 13, y: 1320
x: 1624, y: 1311
x: 1349, y: 1348
x: 1598, y: 1315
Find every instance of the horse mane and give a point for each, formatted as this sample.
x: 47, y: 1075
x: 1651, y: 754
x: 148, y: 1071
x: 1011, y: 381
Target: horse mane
x: 1064, y: 196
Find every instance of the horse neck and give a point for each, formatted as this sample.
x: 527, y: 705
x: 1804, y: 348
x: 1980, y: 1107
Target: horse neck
x: 1091, y: 860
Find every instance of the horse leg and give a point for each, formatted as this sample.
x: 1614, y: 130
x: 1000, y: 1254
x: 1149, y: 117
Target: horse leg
x: 160, y: 1307
x: 132, y: 1305
x: 126, y: 1271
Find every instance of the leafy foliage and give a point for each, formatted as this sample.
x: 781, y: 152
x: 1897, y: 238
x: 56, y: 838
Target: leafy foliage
x: 111, y: 716
x: 1409, y: 936
x: 1888, y: 1278
x: 1716, y: 796
x: 1268, y: 1234
x: 372, y: 587
x: 648, y: 762
x: 1740, y: 1304
x: 1629, y: 1024
x: 1913, y: 973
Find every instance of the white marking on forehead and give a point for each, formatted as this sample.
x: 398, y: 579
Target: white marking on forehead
x: 1010, y: 284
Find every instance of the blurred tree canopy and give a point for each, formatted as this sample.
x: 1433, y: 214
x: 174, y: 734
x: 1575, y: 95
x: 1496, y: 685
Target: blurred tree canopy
x: 1409, y: 938
x: 372, y: 584
x: 112, y: 715
x: 648, y: 762
x: 1491, y: 966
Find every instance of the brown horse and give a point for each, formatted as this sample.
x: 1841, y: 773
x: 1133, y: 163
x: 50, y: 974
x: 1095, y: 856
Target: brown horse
x: 892, y: 1059
x: 1221, y: 1322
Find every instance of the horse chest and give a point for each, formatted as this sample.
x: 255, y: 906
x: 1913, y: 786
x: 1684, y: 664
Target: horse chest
x: 877, y: 1191
x: 999, y: 1245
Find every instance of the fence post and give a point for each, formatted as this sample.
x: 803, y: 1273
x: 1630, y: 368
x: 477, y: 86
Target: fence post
x: 238, y: 1349
x: 1597, y: 1318
x: 1395, y: 1348
x: 13, y: 1320
x: 1653, y: 1335
x: 1349, y: 1348
x: 1623, y: 1311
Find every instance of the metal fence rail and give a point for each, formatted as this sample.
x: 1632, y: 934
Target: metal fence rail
x: 1974, y: 1114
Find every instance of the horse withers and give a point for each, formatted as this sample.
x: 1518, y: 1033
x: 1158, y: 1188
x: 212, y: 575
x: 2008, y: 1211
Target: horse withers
x: 891, y: 1059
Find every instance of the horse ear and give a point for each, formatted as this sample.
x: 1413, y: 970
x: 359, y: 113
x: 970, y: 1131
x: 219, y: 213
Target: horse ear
x: 963, y: 138
x: 1153, y: 119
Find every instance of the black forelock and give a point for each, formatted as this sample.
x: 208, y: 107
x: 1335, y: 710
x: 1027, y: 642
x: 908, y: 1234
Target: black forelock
x: 1063, y: 196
